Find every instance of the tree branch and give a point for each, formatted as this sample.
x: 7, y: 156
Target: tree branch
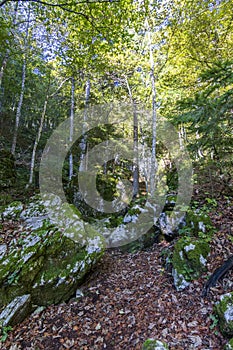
x: 63, y: 6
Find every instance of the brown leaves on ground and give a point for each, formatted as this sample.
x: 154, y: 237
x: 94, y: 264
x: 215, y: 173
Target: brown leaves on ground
x: 130, y: 298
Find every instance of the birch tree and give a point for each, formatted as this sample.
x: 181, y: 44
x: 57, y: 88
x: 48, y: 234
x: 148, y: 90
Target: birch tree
x: 20, y: 102
x: 135, y: 141
x: 83, y: 144
x: 71, y: 166
x: 42, y: 119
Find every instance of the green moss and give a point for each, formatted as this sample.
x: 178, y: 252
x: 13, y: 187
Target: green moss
x: 12, y: 211
x: 152, y: 344
x: 198, y: 224
x: 189, y: 257
x: 224, y: 311
x: 229, y: 345
x: 47, y: 265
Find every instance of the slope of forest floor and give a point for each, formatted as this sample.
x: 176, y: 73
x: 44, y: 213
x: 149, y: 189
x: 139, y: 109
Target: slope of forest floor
x: 131, y: 297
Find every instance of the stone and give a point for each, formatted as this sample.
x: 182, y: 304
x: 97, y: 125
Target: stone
x: 188, y: 261
x: 16, y: 311
x: 152, y: 344
x: 47, y: 265
x: 12, y: 211
x: 224, y: 311
x: 198, y: 222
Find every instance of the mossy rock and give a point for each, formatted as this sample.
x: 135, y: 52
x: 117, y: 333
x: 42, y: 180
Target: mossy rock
x: 198, y: 222
x: 188, y: 260
x: 224, y: 311
x: 11, y: 211
x: 152, y: 344
x: 47, y: 265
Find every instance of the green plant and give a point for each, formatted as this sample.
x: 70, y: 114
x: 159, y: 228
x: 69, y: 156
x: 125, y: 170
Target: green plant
x: 4, y: 333
x: 215, y: 320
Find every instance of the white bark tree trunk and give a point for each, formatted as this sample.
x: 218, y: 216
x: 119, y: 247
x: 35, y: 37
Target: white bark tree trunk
x: 71, y: 170
x: 32, y: 166
x: 135, y: 142
x: 83, y: 144
x: 154, y: 119
x: 37, y: 140
x: 20, y: 103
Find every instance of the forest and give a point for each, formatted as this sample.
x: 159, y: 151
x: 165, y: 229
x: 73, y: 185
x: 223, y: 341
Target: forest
x: 116, y: 174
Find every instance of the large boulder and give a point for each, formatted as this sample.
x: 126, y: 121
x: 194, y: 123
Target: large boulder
x: 188, y: 260
x: 46, y: 261
x: 224, y: 311
x: 47, y: 265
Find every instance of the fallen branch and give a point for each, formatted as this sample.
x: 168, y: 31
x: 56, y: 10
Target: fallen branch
x: 218, y: 273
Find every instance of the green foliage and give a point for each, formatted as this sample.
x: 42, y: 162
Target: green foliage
x: 4, y: 332
x: 215, y: 321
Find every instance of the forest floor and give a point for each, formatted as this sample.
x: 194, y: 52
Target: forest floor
x: 131, y: 297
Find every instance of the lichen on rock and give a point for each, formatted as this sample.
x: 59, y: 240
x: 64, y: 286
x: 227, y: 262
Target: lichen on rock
x: 48, y: 265
x: 224, y: 311
x: 189, y: 260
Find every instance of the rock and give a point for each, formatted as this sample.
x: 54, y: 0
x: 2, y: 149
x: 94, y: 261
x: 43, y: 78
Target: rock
x: 198, y: 222
x: 47, y: 265
x: 12, y: 211
x: 16, y: 311
x: 229, y: 345
x: 3, y: 250
x: 152, y: 344
x: 188, y: 261
x: 224, y: 311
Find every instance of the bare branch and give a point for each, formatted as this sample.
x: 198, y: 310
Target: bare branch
x: 65, y: 5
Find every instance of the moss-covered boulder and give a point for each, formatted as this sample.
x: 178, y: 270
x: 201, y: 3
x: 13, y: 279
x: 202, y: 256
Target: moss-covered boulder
x: 224, y: 311
x: 188, y: 260
x: 47, y: 265
x: 152, y: 344
x: 7, y: 169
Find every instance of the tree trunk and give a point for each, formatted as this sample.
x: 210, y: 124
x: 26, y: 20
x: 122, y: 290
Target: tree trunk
x: 83, y: 144
x: 20, y: 103
x: 71, y: 128
x: 154, y: 119
x: 135, y: 143
x: 37, y: 140
x: 32, y: 166
x: 6, y: 57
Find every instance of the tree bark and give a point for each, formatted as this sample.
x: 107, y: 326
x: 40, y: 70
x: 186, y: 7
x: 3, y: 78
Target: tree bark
x: 32, y: 166
x: 71, y: 170
x: 6, y: 57
x: 154, y: 118
x: 37, y: 140
x: 20, y: 103
x: 135, y: 142
x: 83, y: 144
